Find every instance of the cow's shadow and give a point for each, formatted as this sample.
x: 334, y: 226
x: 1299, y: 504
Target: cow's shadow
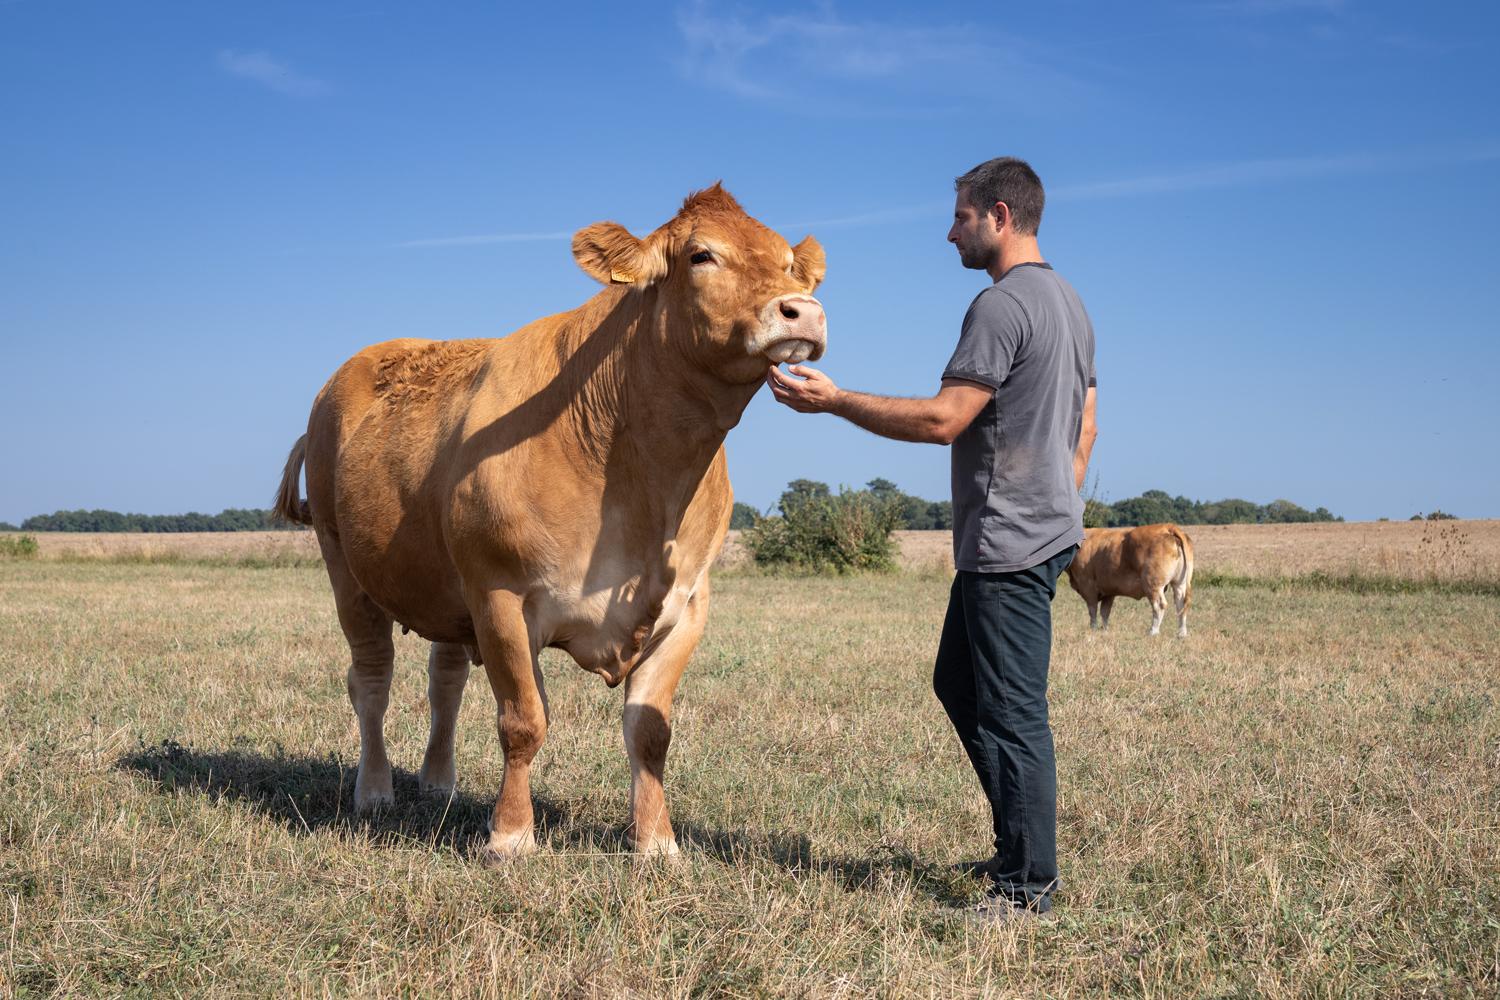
x: 309, y: 794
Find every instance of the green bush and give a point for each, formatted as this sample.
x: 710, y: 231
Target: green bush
x: 820, y: 533
x: 743, y: 516
x: 18, y: 546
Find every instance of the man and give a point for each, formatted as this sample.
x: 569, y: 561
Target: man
x: 1017, y: 404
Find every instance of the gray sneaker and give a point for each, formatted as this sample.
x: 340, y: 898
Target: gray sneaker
x: 997, y: 910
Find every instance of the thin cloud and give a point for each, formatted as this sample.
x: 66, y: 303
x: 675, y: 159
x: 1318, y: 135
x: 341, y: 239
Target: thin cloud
x: 483, y: 238
x: 824, y: 53
x: 1251, y: 172
x: 1245, y: 173
x: 269, y: 72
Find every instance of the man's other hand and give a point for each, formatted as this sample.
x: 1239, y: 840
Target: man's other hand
x: 812, y: 392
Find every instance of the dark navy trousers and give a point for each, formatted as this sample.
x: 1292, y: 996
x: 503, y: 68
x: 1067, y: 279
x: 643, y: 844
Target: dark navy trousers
x: 991, y: 677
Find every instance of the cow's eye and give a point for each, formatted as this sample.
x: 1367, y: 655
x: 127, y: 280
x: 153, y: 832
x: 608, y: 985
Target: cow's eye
x: 701, y: 257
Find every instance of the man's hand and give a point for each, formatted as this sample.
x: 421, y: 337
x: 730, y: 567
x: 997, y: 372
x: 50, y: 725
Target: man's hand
x: 813, y: 392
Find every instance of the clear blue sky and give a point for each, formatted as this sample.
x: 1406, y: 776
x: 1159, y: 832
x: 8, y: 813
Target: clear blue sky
x: 1280, y: 213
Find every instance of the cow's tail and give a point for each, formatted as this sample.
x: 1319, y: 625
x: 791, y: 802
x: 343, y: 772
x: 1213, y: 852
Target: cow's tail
x: 1182, y: 580
x: 288, y: 505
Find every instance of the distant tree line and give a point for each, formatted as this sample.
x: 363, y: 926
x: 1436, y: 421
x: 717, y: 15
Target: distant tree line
x: 910, y: 513
x: 1156, y: 506
x: 1152, y: 507
x: 233, y: 519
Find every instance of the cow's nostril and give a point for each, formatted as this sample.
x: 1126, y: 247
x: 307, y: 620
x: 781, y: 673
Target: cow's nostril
x: 788, y: 310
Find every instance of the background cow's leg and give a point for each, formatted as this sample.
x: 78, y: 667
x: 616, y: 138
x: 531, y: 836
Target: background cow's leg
x: 447, y: 672
x: 510, y: 663
x: 1106, y: 605
x: 1158, y: 598
x: 648, y: 727
x: 1182, y: 595
x: 368, y: 631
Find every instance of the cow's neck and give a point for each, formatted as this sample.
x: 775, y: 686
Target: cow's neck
x: 639, y: 410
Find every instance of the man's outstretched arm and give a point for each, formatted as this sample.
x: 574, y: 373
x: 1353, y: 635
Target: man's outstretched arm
x: 1085, y: 439
x: 936, y: 420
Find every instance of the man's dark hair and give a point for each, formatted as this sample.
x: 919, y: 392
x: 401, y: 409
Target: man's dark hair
x: 1010, y: 180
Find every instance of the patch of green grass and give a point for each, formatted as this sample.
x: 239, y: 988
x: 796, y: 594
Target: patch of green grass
x: 18, y: 547
x: 1353, y: 583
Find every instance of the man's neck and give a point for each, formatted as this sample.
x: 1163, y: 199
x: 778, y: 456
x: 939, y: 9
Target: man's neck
x: 1018, y: 250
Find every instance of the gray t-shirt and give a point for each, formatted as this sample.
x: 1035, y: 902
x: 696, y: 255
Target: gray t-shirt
x: 1014, y: 499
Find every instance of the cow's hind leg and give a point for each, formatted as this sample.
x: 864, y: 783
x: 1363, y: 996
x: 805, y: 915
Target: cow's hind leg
x: 648, y: 727
x: 510, y: 662
x: 1158, y: 597
x: 372, y: 659
x: 1182, y: 594
x: 447, y: 672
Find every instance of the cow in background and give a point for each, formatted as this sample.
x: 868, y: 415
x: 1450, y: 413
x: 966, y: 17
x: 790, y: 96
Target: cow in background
x: 1135, y: 563
x: 564, y: 487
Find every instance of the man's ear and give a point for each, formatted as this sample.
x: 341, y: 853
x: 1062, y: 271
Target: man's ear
x: 611, y: 256
x: 809, y: 264
x: 1001, y: 213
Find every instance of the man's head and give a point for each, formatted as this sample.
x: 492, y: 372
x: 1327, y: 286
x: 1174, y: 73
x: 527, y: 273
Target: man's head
x: 998, y: 201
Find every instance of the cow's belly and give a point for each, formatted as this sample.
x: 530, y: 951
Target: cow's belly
x: 395, y: 550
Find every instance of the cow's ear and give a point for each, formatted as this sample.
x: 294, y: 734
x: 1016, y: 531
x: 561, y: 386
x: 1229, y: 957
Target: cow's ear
x: 607, y: 253
x: 610, y: 255
x: 808, y: 263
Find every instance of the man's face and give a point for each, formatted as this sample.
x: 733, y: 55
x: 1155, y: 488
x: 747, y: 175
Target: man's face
x: 974, y: 234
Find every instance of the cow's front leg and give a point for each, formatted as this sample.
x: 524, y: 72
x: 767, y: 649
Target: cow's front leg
x: 511, y: 664
x: 447, y: 673
x: 648, y: 727
x: 1106, y: 607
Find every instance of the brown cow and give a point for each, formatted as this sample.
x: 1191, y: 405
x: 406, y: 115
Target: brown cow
x: 1135, y: 562
x: 564, y: 487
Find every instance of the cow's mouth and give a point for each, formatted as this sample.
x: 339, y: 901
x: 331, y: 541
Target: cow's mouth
x: 794, y: 351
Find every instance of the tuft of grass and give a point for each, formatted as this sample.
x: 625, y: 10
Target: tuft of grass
x: 18, y: 547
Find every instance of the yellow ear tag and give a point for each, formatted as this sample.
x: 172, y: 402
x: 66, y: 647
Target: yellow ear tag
x: 621, y: 277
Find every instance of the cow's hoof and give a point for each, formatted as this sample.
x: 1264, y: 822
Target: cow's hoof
x: 367, y: 800
x: 502, y: 850
x: 436, y: 783
x: 660, y: 849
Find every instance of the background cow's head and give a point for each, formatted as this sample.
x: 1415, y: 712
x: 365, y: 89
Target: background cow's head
x: 727, y: 289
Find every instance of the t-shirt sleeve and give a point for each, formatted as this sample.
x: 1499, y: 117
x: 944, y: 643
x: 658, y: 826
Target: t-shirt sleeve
x: 993, y: 330
x: 1088, y: 326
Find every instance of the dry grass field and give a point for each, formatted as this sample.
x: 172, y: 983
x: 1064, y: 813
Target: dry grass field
x: 1300, y: 799
x: 1420, y: 551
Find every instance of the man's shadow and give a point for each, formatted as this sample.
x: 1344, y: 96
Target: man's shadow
x: 308, y: 794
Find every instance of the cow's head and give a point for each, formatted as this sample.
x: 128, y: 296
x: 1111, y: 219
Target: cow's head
x: 727, y: 289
